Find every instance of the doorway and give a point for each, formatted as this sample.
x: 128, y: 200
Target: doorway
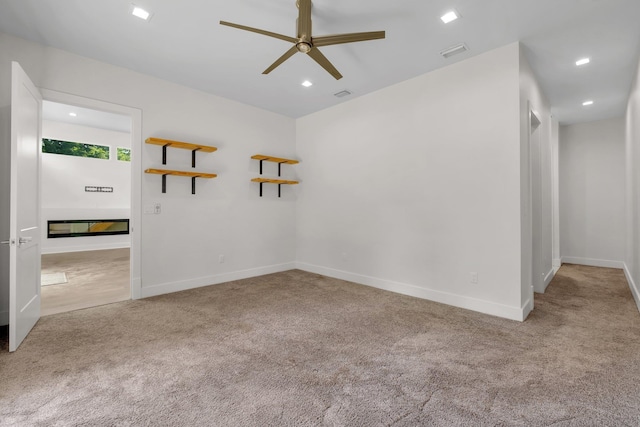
x: 85, y: 207
x: 89, y: 263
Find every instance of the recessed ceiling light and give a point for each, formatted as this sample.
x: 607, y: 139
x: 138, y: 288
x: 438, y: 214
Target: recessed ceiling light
x: 583, y: 61
x: 140, y: 13
x: 73, y: 114
x: 587, y: 103
x: 449, y: 17
x: 307, y: 83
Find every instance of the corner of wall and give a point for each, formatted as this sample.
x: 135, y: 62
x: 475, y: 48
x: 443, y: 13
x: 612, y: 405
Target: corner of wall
x: 537, y: 177
x: 632, y: 178
x: 635, y: 291
x: 527, y: 308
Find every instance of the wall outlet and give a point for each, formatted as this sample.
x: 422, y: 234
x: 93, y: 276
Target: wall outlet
x: 474, y: 277
x: 149, y: 209
x: 157, y: 208
x: 221, y: 259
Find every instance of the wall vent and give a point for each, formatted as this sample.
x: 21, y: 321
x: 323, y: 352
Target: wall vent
x: 454, y: 50
x: 342, y: 93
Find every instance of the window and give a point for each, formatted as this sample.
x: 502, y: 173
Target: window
x: 68, y: 148
x: 124, y: 154
x: 88, y: 227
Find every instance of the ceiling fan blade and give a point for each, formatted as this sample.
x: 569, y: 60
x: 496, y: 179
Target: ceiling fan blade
x: 304, y: 19
x: 347, y: 38
x: 263, y: 32
x: 324, y: 63
x: 288, y: 54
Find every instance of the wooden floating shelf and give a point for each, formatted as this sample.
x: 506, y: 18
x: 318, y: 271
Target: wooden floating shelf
x: 274, y: 181
x: 279, y: 182
x: 192, y: 175
x: 264, y: 158
x: 179, y: 144
x: 280, y: 161
x: 181, y: 173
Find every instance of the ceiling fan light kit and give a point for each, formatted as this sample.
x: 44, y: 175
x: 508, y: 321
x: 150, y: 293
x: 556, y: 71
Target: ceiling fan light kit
x: 304, y: 42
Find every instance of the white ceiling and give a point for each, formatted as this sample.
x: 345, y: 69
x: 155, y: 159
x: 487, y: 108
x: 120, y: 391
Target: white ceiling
x: 86, y: 117
x: 184, y: 43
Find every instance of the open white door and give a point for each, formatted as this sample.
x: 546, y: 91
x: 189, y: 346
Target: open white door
x: 24, y: 240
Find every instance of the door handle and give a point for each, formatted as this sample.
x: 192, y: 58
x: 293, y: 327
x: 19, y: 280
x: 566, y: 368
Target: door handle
x: 8, y: 242
x: 22, y: 240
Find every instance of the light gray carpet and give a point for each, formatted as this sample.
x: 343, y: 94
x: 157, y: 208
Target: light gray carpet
x: 300, y: 349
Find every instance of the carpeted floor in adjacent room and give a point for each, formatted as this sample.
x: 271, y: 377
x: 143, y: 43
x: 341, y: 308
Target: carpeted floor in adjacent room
x: 300, y: 349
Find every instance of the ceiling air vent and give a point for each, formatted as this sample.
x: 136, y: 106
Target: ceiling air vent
x: 454, y: 50
x: 342, y: 93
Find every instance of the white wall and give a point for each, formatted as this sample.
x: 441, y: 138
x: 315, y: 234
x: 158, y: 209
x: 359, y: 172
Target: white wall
x: 65, y: 177
x: 414, y: 187
x: 180, y: 246
x: 411, y: 188
x: 632, y: 178
x: 592, y: 193
x: 537, y: 184
x: 555, y: 191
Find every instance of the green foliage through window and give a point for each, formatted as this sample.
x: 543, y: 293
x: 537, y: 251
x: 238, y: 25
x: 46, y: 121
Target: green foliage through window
x: 78, y: 149
x: 124, y: 154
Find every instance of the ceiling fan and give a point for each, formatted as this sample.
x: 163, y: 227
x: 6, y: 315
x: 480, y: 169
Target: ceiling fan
x: 306, y: 43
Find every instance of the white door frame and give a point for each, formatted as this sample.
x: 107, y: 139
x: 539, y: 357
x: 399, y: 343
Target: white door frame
x: 136, y: 167
x: 535, y: 173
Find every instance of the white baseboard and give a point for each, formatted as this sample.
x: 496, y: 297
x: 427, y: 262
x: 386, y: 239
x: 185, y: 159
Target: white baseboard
x: 592, y: 262
x: 527, y: 308
x: 556, y: 264
x: 84, y: 248
x: 4, y: 318
x: 183, y: 285
x: 547, y: 279
x: 136, y: 288
x: 469, y: 303
x: 633, y: 286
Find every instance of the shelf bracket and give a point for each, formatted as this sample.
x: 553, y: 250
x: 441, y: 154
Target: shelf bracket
x: 193, y: 158
x: 261, y: 166
x: 164, y: 153
x: 279, y: 168
x: 164, y: 183
x: 193, y: 183
x: 261, y: 187
x: 279, y: 185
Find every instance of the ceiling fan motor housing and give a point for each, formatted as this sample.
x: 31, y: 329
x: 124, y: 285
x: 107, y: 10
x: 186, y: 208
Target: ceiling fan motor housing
x: 304, y: 46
